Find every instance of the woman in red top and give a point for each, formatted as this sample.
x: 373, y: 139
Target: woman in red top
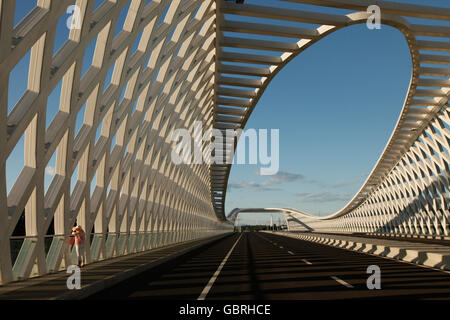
x: 80, y: 237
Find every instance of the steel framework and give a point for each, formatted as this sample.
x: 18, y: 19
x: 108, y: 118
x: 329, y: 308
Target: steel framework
x: 140, y: 198
x: 182, y: 72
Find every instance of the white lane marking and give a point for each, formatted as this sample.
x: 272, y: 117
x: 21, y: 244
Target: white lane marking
x: 216, y: 274
x: 290, y: 252
x: 306, y: 261
x: 281, y: 247
x: 348, y: 285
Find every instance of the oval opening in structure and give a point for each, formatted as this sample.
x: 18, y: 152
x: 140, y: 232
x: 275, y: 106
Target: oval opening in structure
x: 335, y: 106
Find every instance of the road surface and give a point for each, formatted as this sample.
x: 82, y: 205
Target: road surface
x: 266, y: 266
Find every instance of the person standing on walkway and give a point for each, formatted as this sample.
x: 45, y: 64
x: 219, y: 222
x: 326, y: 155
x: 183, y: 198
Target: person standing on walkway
x: 80, y: 237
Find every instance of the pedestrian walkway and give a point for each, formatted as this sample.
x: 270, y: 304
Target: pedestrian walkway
x: 425, y: 253
x: 100, y: 275
x: 441, y: 240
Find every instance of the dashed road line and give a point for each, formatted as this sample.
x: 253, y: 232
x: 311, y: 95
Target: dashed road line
x: 290, y: 252
x: 306, y: 261
x: 346, y: 284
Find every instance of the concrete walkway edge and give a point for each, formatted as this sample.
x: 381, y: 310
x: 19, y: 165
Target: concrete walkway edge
x: 101, y: 274
x: 103, y: 284
x: 422, y: 256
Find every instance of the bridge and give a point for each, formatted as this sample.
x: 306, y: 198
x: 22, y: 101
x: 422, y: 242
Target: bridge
x: 167, y: 67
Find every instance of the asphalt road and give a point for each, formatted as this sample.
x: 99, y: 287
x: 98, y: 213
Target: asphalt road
x: 265, y: 266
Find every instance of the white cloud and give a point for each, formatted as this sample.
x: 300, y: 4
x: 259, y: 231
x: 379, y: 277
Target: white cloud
x: 345, y: 184
x: 51, y: 171
x: 250, y: 185
x: 283, y: 177
x: 322, y: 197
x: 279, y: 178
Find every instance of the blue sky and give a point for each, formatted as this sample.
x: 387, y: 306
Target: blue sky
x: 335, y: 106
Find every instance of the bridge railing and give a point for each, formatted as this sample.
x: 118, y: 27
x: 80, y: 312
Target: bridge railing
x: 60, y: 253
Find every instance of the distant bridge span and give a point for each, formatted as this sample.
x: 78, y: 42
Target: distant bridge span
x: 296, y: 220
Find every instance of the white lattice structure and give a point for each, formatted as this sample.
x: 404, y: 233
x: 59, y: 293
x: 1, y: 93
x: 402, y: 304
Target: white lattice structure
x: 180, y: 73
x: 141, y: 199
